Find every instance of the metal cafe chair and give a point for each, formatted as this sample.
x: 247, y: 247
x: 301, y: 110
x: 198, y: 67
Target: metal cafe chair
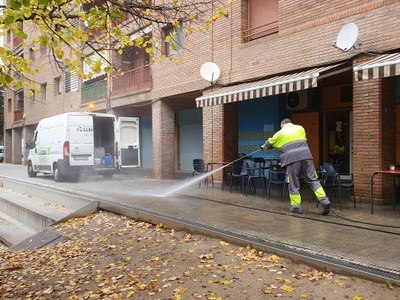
x: 277, y: 176
x: 255, y: 176
x: 199, y: 168
x: 330, y: 181
x: 237, y: 174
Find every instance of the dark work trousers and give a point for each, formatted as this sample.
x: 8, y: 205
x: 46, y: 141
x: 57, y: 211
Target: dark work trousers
x: 302, y: 169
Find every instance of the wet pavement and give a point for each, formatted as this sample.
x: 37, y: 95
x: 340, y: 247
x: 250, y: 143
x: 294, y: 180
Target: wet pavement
x: 351, y: 237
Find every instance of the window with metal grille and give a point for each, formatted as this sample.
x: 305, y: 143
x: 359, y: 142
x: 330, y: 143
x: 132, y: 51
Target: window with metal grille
x: 70, y: 81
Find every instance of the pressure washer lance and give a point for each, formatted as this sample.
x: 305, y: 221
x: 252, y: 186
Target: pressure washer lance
x: 243, y: 157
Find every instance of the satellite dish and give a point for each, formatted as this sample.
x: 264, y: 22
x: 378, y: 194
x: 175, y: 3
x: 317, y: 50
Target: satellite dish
x: 347, y: 37
x: 210, y: 72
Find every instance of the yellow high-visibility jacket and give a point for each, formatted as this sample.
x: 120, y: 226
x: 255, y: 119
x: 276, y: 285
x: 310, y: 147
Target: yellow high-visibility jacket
x: 291, y: 141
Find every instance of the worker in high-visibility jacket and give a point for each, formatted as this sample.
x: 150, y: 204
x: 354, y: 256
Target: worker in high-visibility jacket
x: 295, y: 155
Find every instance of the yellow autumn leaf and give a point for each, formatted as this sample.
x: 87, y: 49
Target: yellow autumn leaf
x: 287, y: 288
x: 130, y: 294
x: 304, y: 296
x: 274, y: 258
x: 358, y: 298
x: 267, y: 291
x: 85, y: 37
x: 222, y: 243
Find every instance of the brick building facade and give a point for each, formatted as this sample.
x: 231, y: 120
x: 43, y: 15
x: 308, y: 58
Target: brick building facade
x: 298, y: 39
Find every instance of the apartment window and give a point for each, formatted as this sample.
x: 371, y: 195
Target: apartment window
x: 43, y: 91
x: 32, y: 94
x: 19, y: 100
x: 262, y: 19
x: 43, y: 51
x: 8, y: 36
x: 70, y: 81
x: 173, y: 40
x: 9, y: 106
x: 31, y: 54
x: 57, y: 86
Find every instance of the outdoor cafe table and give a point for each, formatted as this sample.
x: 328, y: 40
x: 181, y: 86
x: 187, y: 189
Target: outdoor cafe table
x: 393, y: 173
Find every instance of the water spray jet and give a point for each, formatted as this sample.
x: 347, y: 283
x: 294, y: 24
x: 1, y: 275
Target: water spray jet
x: 204, y: 176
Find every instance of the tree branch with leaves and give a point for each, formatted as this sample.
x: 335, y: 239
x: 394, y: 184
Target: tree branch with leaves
x: 73, y: 29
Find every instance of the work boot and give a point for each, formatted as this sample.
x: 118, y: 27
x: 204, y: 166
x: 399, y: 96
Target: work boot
x: 326, y: 206
x: 296, y: 209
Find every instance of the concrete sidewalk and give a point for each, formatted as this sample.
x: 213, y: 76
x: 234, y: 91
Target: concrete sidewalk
x: 352, y: 236
x: 351, y: 239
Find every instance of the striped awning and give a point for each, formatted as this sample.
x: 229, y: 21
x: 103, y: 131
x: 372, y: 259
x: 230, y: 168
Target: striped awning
x: 268, y: 87
x: 385, y: 65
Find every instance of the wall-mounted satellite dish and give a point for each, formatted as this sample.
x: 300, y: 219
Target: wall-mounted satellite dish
x: 210, y: 72
x: 347, y: 37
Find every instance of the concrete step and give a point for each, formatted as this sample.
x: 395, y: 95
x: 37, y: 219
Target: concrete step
x: 12, y: 231
x: 23, y: 215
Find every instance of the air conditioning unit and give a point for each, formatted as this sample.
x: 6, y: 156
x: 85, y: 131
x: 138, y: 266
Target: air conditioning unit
x: 299, y: 100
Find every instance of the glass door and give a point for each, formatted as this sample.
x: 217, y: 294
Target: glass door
x: 338, y: 140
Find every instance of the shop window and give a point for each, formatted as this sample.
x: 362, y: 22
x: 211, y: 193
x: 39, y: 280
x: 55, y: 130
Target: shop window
x: 262, y: 18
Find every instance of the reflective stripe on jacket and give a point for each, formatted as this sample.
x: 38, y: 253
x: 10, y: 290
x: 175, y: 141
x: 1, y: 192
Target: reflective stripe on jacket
x: 291, y: 141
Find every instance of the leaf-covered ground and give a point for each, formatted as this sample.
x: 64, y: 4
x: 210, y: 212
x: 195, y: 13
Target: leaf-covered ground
x: 109, y: 256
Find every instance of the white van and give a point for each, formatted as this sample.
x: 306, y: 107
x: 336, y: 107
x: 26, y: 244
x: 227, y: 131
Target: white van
x: 82, y: 143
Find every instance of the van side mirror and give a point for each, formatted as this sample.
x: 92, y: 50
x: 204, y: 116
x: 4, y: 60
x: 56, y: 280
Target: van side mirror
x: 30, y: 144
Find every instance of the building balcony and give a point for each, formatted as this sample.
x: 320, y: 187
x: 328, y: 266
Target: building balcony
x: 17, y: 41
x: 133, y: 81
x: 18, y: 115
x: 94, y: 90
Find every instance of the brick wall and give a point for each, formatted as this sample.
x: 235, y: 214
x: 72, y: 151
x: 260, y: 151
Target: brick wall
x: 163, y: 119
x: 374, y: 144
x: 306, y: 31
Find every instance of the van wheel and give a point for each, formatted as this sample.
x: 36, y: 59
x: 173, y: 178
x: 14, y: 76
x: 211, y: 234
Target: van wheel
x: 56, y: 174
x: 31, y: 172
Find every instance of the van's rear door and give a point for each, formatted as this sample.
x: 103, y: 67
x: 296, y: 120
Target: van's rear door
x: 80, y: 134
x: 128, y: 140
